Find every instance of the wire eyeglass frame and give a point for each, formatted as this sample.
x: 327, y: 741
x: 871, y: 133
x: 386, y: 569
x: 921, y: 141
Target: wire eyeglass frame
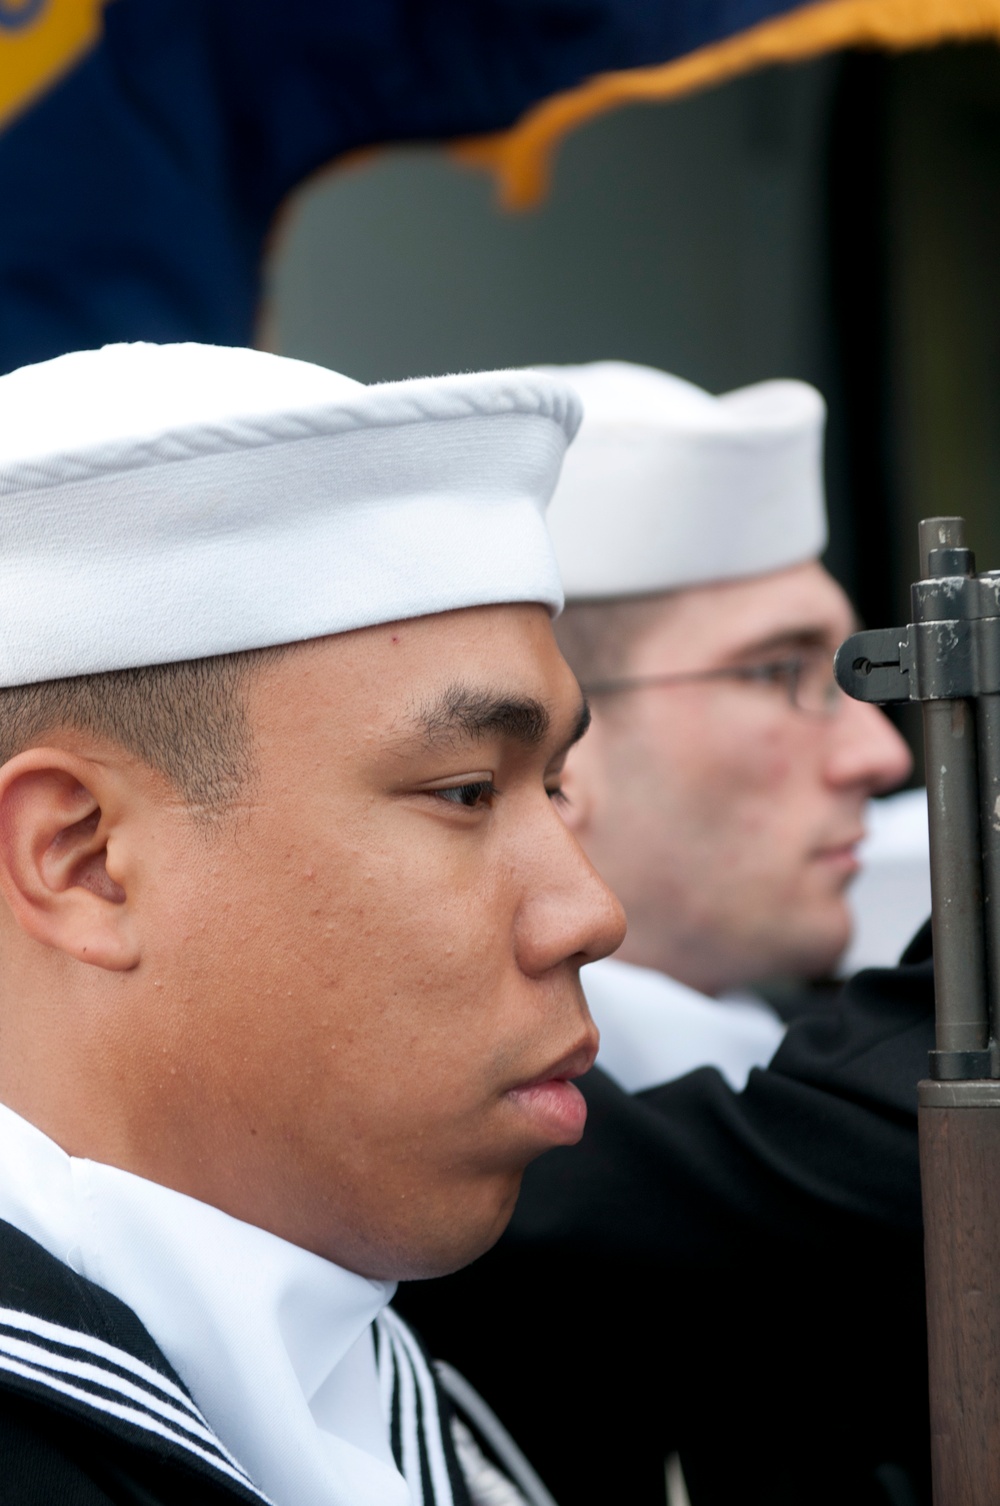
x: 788, y: 673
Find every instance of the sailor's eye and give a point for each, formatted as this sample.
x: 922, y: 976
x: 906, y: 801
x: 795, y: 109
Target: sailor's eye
x: 779, y: 672
x: 479, y: 792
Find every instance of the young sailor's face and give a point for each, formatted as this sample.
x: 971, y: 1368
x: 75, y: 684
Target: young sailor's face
x: 375, y: 1013
x: 725, y: 816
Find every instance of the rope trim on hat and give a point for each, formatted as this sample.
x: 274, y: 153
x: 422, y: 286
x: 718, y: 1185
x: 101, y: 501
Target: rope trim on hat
x: 392, y: 405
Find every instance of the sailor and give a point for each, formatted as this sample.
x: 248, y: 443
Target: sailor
x: 736, y: 1274
x: 291, y: 924
x: 722, y: 790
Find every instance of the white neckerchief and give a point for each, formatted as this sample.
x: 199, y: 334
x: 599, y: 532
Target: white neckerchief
x: 654, y: 1029
x: 273, y: 1342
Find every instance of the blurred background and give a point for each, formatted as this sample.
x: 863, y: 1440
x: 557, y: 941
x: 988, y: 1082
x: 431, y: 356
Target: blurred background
x: 837, y: 220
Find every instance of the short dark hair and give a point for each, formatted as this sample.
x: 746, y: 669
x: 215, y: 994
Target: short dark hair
x: 597, y: 637
x: 187, y: 720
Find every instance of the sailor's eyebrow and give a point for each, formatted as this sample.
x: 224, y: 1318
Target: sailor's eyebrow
x: 462, y: 712
x: 788, y: 641
x: 583, y: 720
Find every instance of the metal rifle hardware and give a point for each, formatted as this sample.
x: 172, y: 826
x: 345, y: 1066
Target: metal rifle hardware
x: 948, y: 659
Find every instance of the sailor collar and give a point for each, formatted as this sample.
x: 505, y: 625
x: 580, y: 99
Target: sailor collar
x: 254, y: 1359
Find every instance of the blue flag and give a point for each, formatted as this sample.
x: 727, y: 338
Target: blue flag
x: 146, y: 145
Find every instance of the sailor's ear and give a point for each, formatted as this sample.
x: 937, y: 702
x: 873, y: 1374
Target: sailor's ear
x: 62, y: 866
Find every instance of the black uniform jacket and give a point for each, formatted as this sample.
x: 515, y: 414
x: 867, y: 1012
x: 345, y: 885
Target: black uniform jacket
x: 734, y: 1275
x: 91, y: 1413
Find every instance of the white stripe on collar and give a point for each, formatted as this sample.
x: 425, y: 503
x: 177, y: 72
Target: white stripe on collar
x: 43, y: 1353
x: 420, y: 1416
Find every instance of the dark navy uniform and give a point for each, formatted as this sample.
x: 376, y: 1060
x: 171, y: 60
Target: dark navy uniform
x: 737, y: 1276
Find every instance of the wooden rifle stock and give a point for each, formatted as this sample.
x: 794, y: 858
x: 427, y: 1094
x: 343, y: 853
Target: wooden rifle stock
x: 959, y: 1157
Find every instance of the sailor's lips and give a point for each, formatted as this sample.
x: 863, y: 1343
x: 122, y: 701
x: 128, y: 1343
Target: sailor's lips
x: 552, y: 1102
x: 841, y: 856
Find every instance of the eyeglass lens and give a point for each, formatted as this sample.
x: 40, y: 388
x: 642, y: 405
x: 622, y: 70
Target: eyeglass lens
x: 812, y: 687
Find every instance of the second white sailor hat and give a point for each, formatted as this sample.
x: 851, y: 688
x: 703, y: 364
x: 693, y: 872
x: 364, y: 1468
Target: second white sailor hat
x: 168, y: 502
x: 667, y: 486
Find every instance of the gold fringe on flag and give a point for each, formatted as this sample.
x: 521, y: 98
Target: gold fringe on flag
x: 40, y: 40
x: 521, y: 158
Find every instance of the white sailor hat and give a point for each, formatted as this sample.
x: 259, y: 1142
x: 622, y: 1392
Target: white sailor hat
x: 668, y: 486
x: 168, y: 502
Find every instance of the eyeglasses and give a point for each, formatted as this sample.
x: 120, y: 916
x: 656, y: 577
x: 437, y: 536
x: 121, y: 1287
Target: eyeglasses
x: 806, y: 680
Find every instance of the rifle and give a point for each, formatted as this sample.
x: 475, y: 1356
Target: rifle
x: 948, y: 659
